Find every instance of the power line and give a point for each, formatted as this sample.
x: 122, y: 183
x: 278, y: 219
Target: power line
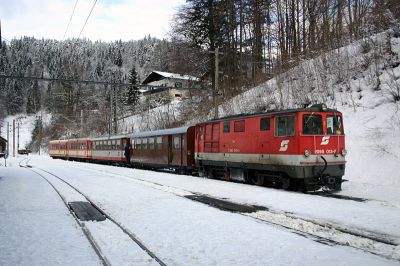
x: 73, y: 11
x: 87, y: 18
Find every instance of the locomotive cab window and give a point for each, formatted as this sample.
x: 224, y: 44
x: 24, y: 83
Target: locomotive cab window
x: 284, y: 126
x: 334, y: 125
x: 227, y: 127
x: 265, y: 123
x: 312, y: 124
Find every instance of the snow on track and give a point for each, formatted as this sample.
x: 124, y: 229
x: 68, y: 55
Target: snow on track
x: 100, y: 232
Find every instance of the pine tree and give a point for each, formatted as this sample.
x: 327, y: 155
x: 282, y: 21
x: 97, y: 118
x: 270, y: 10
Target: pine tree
x: 132, y: 94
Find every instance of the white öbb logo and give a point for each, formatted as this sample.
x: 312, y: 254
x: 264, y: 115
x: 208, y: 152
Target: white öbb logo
x: 325, y: 140
x: 284, y: 145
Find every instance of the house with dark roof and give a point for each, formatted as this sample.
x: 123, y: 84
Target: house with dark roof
x: 177, y: 85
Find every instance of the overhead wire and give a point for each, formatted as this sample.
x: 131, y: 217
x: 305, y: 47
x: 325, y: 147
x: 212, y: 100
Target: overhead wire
x: 84, y: 25
x: 70, y: 19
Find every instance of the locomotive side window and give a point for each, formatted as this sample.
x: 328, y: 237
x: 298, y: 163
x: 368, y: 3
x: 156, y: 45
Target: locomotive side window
x: 312, y: 124
x: 239, y: 126
x: 227, y: 127
x: 159, y: 143
x: 284, y: 126
x: 334, y: 125
x: 265, y: 123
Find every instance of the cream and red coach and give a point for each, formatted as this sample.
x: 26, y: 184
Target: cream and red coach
x: 58, y: 149
x: 110, y: 149
x: 292, y: 148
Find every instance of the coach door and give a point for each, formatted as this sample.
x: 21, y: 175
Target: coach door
x: 211, y: 138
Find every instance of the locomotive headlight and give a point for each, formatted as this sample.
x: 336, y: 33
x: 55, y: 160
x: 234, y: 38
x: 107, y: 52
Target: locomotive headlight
x: 344, y: 152
x: 307, y: 153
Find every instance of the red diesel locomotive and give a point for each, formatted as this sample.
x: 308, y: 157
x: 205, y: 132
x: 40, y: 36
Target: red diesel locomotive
x: 299, y: 148
x: 293, y: 149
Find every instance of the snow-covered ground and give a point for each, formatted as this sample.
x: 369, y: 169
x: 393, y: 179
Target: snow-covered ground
x: 177, y: 230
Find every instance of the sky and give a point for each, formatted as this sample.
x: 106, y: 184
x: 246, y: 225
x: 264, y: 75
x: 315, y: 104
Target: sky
x: 110, y: 20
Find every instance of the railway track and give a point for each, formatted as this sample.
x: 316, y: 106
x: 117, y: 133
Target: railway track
x: 98, y: 246
x: 323, y: 232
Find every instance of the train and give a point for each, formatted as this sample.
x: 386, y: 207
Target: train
x: 294, y: 149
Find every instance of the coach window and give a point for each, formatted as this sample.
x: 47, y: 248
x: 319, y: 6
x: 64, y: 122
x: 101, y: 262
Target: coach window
x: 265, y: 123
x: 138, y: 144
x: 144, y: 142
x: 201, y: 132
x: 227, y: 127
x: 151, y: 143
x: 239, y: 126
x: 159, y: 143
x: 177, y: 143
x: 312, y: 124
x: 284, y: 126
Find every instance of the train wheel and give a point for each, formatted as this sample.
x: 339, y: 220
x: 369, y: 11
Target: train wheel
x: 202, y: 172
x: 259, y: 180
x: 286, y: 183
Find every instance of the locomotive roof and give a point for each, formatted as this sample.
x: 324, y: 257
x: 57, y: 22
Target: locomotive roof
x: 313, y: 108
x: 169, y: 131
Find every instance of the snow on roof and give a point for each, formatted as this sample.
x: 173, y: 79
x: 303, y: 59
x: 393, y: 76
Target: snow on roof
x: 155, y: 76
x: 176, y: 76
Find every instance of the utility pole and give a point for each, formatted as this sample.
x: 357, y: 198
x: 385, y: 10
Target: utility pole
x: 1, y: 42
x: 115, y: 112
x: 81, y: 123
x: 8, y: 138
x: 13, y: 137
x: 216, y: 77
x: 18, y: 123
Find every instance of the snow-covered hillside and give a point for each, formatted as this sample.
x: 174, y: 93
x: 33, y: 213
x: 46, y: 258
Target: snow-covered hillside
x: 361, y: 80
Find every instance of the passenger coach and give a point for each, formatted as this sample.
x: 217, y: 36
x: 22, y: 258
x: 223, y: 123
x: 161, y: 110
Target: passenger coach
x: 110, y: 149
x: 167, y: 148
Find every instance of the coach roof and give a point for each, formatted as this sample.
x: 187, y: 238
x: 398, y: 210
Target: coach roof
x: 161, y: 132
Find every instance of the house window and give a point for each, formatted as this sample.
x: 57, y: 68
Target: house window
x: 284, y: 126
x: 238, y: 126
x: 264, y: 123
x: 227, y: 127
